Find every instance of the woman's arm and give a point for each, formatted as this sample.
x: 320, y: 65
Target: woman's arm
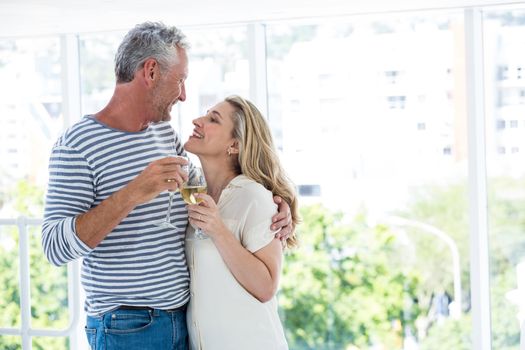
x: 257, y: 272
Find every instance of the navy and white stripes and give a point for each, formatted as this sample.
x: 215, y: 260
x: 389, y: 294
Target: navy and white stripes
x: 138, y: 263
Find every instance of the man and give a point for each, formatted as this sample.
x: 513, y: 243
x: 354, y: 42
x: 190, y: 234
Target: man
x: 107, y: 187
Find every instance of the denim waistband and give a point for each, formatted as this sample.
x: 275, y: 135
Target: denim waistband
x: 147, y: 308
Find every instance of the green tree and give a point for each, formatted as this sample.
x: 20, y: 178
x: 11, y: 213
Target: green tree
x: 506, y: 199
x: 48, y: 283
x: 450, y: 334
x: 446, y: 207
x: 339, y: 289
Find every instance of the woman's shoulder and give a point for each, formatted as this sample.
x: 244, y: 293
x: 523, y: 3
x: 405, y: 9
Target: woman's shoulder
x: 247, y: 186
x: 249, y: 192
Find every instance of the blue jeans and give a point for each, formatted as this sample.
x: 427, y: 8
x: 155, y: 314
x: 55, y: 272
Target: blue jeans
x: 124, y: 329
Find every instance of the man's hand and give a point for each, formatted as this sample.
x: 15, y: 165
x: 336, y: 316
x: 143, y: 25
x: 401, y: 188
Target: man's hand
x: 160, y: 175
x: 282, y: 220
x: 93, y: 226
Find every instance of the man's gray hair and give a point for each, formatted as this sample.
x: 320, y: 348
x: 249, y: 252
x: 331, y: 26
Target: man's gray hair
x: 147, y: 40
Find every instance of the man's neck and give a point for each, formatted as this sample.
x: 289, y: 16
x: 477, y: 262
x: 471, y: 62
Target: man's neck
x: 126, y: 110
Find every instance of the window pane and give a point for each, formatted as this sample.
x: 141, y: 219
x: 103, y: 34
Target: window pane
x: 97, y: 69
x: 55, y: 343
x: 10, y: 342
x: 31, y: 109
x: 49, y: 294
x: 370, y: 118
x: 218, y: 67
x: 504, y: 44
x: 9, y: 279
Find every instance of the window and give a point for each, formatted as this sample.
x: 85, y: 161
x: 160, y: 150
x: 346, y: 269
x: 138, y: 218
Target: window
x: 396, y: 102
x: 503, y: 72
x: 31, y: 109
x: 309, y: 190
x: 392, y: 76
x: 509, y: 95
x: 503, y: 39
x: 369, y: 164
x: 97, y: 75
x: 218, y: 68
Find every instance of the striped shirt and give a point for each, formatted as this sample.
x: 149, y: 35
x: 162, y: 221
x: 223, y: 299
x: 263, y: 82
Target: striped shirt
x: 138, y: 263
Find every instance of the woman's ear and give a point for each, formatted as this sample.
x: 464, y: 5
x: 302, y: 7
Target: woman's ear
x: 233, y: 148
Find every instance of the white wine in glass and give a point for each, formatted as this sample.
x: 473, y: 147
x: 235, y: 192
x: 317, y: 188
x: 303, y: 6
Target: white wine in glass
x: 196, y: 184
x: 188, y: 193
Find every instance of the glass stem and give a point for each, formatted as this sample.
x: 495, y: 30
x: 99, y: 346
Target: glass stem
x: 168, y: 214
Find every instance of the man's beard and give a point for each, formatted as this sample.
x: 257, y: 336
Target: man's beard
x: 163, y: 112
x: 162, y: 107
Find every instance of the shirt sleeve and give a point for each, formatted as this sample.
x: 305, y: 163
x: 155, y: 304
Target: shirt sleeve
x: 256, y: 233
x: 70, y: 193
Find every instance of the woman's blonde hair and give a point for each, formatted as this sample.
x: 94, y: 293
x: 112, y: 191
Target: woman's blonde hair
x: 258, y: 159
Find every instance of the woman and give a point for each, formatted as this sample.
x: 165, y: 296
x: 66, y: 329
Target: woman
x: 235, y: 273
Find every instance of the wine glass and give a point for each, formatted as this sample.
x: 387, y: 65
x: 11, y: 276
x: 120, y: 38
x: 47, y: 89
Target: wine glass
x: 166, y: 223
x: 196, y: 184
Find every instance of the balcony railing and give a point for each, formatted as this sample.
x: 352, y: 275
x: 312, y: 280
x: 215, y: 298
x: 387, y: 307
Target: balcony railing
x: 26, y: 332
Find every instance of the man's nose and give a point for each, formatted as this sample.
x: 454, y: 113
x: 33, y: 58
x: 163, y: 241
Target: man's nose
x: 182, y: 96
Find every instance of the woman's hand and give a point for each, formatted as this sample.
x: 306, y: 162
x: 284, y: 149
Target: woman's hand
x: 206, y: 216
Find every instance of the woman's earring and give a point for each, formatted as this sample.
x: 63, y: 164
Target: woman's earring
x: 229, y: 151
